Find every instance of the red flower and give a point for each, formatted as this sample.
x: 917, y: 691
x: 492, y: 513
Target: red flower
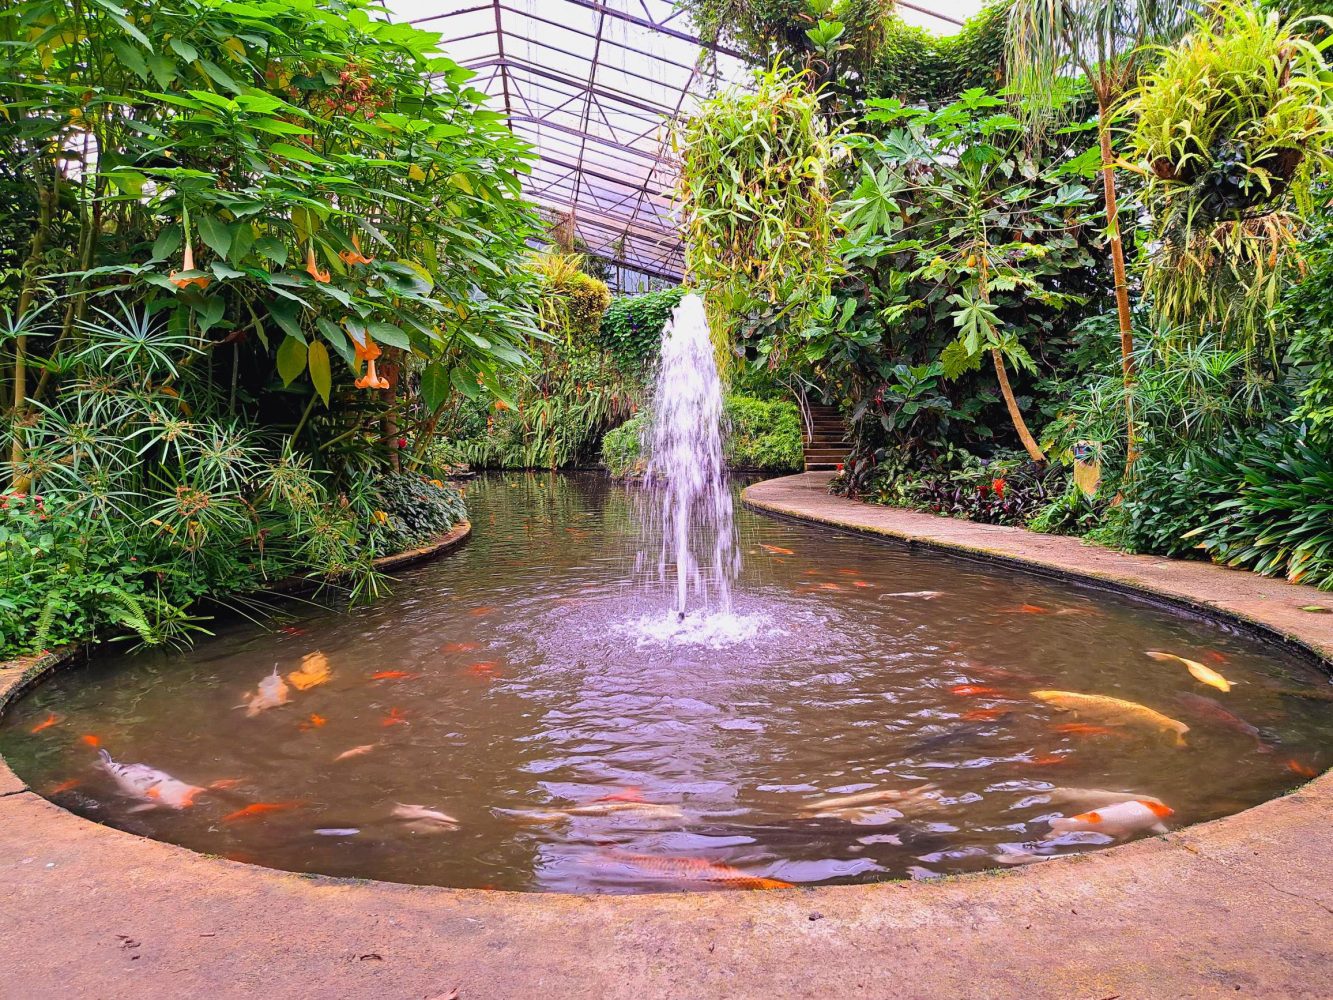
x: 998, y: 486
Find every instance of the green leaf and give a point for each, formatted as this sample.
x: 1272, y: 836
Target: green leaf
x: 214, y: 232
x: 320, y: 375
x: 184, y: 49
x: 435, y: 385
x: 291, y: 359
x: 167, y: 243
x: 209, y: 313
x: 465, y: 383
x: 272, y: 249
x: 387, y: 333
x: 338, y: 340
x: 288, y: 316
x: 131, y: 57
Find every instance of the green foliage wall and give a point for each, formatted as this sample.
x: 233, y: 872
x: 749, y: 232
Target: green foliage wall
x: 920, y: 67
x: 632, y: 327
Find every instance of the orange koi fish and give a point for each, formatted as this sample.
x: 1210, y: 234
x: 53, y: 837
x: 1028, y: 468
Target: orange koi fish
x: 50, y: 720
x: 260, y: 809
x: 630, y: 793
x: 687, y: 869
x: 829, y: 586
x: 860, y: 583
x: 1047, y: 761
x: 1304, y: 770
x: 223, y: 784
x: 314, y: 722
x: 314, y: 672
x: 486, y: 668
x: 1084, y: 729
x: 1217, y: 657
x: 392, y: 675
x: 65, y: 786
x: 776, y: 550
x: 394, y: 718
x: 985, y: 714
x: 848, y: 571
x: 90, y: 740
x: 459, y: 647
x: 485, y: 609
x: 973, y: 690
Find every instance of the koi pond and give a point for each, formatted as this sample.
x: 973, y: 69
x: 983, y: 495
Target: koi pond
x: 531, y: 713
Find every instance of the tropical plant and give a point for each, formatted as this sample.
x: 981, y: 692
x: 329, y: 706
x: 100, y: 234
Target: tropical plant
x: 757, y: 203
x: 411, y: 510
x: 1105, y: 41
x: 572, y: 302
x: 1231, y: 127
x: 918, y: 66
x: 632, y: 327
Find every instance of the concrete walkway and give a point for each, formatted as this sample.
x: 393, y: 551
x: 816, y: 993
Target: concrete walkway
x: 1242, y: 907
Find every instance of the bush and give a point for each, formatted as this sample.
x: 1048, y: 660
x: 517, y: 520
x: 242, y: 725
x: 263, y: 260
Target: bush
x: 412, y: 510
x: 765, y: 436
x: 632, y: 327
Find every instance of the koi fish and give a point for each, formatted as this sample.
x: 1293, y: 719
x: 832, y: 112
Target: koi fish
x: 337, y: 831
x: 50, y: 720
x: 1093, y: 798
x: 260, y: 809
x: 1122, y: 819
x: 1115, y: 711
x: 424, y: 820
x: 314, y: 722
x: 860, y: 583
x: 872, y: 797
x: 481, y: 611
x: 862, y: 815
x: 924, y: 595
x: 776, y: 550
x: 1217, y: 657
x: 314, y: 672
x: 1031, y: 609
x: 985, y: 714
x: 828, y: 586
x: 395, y: 718
x: 271, y: 692
x: 65, y: 786
x: 484, y: 669
x: 1304, y: 770
x: 459, y: 647
x: 550, y: 817
x: 973, y: 690
x: 1047, y: 760
x: 155, y: 788
x: 1202, y: 674
x: 631, y: 793
x: 91, y: 740
x: 1084, y: 729
x: 355, y: 751
x: 696, y: 870
x: 392, y: 675
x: 1207, y: 707
x: 291, y: 630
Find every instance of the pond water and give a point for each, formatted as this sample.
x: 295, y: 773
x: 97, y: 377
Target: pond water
x: 557, y: 729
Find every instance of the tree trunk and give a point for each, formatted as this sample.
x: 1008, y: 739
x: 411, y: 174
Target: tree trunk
x: 1015, y: 414
x: 46, y: 206
x: 1121, y: 282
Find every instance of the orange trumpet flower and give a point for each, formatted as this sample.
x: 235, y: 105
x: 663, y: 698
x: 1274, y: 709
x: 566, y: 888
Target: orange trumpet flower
x: 312, y: 268
x: 356, y: 256
x: 368, y: 352
x: 187, y: 265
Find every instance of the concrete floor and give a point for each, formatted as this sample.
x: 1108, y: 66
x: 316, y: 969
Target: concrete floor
x: 1241, y: 907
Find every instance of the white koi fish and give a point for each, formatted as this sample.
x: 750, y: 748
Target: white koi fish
x: 423, y: 819
x: 156, y: 788
x: 1093, y: 798
x: 551, y: 817
x: 271, y: 692
x: 1120, y: 820
x: 923, y: 595
x: 873, y: 797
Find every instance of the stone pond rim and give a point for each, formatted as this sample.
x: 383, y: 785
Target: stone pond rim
x: 1239, y: 906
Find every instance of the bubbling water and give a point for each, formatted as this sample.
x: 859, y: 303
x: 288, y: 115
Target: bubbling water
x: 687, y: 471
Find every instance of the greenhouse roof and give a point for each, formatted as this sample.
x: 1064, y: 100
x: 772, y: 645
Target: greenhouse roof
x: 593, y: 86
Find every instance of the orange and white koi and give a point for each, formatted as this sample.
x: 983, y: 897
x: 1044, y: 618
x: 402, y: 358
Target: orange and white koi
x: 155, y: 788
x: 1123, y: 819
x: 1202, y: 674
x: 683, y: 869
x: 1093, y: 798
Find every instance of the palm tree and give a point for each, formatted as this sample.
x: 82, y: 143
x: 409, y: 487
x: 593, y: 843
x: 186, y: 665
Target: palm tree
x: 1107, y: 42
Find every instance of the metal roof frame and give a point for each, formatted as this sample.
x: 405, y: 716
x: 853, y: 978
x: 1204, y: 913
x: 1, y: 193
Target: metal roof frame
x: 596, y: 87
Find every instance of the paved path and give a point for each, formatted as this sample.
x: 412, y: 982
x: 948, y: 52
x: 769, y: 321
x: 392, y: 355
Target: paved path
x: 1242, y: 907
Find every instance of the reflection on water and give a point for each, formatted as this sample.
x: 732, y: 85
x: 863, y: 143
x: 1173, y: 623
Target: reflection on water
x: 527, y: 714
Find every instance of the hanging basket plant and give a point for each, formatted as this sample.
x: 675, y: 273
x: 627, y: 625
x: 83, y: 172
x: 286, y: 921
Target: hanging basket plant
x: 1230, y: 131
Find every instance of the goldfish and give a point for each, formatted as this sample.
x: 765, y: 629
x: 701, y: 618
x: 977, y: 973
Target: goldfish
x: 90, y: 740
x: 50, y: 720
x: 924, y: 595
x: 391, y: 675
x: 550, y: 817
x: 973, y: 690
x: 1202, y: 674
x: 155, y: 788
x: 65, y: 786
x: 985, y: 714
x: 697, y: 870
x: 314, y: 722
x: 314, y: 672
x: 484, y: 669
x: 829, y: 586
x: 1119, y: 820
x: 260, y: 809
x: 271, y: 692
x: 1304, y: 770
x: 1114, y: 710
x: 1205, y: 706
x: 1031, y: 609
x: 776, y: 550
x: 459, y: 647
x: 395, y: 718
x: 1047, y: 760
x: 860, y: 583
x: 1084, y: 729
x: 424, y: 820
x: 479, y: 612
x: 355, y: 751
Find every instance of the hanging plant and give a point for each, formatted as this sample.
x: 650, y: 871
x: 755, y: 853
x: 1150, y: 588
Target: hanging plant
x: 757, y: 204
x: 1230, y: 133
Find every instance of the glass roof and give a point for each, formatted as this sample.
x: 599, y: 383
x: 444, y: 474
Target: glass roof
x: 593, y: 86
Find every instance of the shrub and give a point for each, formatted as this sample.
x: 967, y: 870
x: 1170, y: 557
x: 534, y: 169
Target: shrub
x: 622, y: 448
x: 412, y: 510
x: 632, y: 327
